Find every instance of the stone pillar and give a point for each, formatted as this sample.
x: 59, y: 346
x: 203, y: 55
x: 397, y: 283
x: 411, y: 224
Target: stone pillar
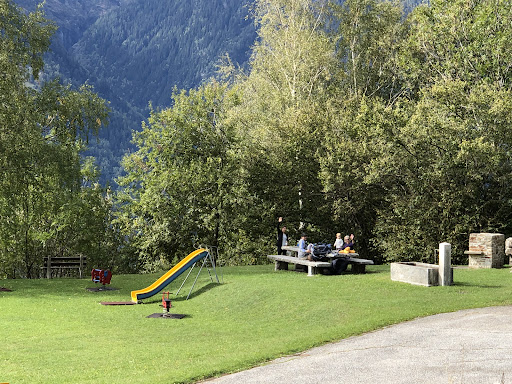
x: 445, y: 264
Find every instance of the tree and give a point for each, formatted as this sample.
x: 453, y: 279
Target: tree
x: 368, y: 38
x: 42, y: 129
x: 458, y: 40
x: 181, y: 184
x: 450, y: 155
x: 368, y: 34
x: 281, y: 114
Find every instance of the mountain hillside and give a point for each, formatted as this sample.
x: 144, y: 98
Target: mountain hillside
x: 73, y: 17
x: 145, y: 49
x: 136, y: 51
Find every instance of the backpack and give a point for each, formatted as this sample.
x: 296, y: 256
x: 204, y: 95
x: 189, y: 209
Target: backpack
x: 321, y: 249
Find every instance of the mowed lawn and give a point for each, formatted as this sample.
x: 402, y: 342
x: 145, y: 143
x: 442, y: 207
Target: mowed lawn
x: 55, y: 331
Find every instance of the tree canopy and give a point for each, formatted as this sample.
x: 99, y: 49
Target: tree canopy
x: 45, y: 207
x: 355, y: 117
x: 352, y: 117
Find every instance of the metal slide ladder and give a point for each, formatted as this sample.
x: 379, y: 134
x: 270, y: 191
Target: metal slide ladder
x: 207, y: 259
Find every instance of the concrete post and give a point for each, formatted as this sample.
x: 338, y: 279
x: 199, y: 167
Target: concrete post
x: 445, y: 264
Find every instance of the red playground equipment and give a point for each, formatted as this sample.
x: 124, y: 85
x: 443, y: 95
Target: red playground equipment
x: 101, y: 276
x: 166, y: 303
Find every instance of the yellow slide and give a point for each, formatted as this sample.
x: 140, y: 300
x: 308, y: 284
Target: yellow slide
x: 167, y: 278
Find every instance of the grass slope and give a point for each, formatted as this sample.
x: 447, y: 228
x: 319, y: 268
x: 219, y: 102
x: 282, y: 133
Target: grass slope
x: 55, y: 331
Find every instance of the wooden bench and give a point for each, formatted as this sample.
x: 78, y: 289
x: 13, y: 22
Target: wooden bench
x: 63, y: 263
x: 283, y: 261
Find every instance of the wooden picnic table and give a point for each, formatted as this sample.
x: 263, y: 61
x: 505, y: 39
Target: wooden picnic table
x: 291, y: 248
x: 358, y: 265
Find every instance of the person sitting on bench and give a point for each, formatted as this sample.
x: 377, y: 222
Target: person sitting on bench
x: 304, y: 248
x: 348, y: 241
x: 339, y: 265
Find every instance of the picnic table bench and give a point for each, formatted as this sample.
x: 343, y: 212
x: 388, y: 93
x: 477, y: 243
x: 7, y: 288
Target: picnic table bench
x: 358, y: 265
x: 282, y: 262
x: 475, y: 253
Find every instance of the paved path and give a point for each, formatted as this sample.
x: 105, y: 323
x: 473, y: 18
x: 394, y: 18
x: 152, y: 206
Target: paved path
x: 470, y: 346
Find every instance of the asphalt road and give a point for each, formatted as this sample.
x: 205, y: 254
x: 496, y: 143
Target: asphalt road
x: 470, y: 346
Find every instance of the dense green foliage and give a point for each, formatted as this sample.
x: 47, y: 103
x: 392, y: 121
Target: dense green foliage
x: 50, y: 203
x: 451, y: 152
x: 183, y: 184
x: 69, y: 337
x: 135, y: 52
x: 351, y: 117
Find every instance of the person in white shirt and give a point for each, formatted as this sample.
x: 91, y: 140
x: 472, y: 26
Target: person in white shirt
x: 339, y: 242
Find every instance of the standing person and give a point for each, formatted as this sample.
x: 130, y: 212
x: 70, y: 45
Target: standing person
x: 282, y: 238
x: 339, y: 242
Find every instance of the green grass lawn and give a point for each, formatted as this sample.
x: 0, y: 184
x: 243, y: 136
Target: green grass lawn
x: 55, y: 331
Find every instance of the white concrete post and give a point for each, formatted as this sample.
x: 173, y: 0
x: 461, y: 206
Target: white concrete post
x: 445, y: 264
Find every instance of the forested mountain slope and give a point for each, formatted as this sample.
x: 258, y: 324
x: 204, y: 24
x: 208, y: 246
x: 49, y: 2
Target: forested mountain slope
x: 136, y: 51
x: 145, y: 49
x: 73, y: 17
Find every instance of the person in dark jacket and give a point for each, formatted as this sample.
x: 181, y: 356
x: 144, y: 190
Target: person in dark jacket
x: 282, y: 237
x: 339, y: 265
x: 348, y: 241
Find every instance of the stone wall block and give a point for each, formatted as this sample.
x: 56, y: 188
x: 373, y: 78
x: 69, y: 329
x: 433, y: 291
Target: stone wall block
x: 492, y: 246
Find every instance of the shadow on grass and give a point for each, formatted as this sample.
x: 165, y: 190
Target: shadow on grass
x: 183, y: 295
x: 368, y: 272
x: 463, y: 284
x: 199, y: 291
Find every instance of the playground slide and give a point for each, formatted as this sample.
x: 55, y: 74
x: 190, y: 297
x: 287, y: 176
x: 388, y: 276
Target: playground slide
x: 170, y: 276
